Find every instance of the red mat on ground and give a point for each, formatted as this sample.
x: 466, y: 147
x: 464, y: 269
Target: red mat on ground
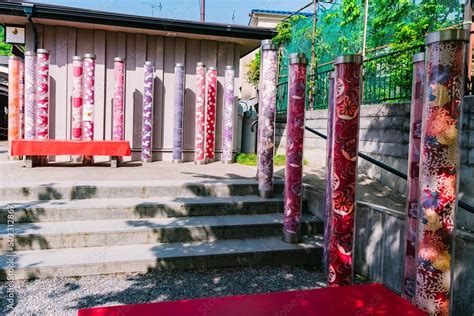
x: 367, y: 299
x: 56, y: 147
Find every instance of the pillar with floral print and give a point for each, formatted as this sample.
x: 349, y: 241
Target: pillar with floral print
x: 211, y: 93
x: 42, y: 94
x: 200, y: 127
x: 228, y: 115
x: 118, y: 102
x: 345, y: 126
x: 178, y: 113
x: 147, y: 130
x: 89, y: 101
x: 30, y: 95
x: 14, y: 65
x: 439, y: 168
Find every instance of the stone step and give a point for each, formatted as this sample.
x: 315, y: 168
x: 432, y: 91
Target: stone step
x: 98, y: 233
x: 79, y: 190
x: 142, y: 258
x: 134, y: 208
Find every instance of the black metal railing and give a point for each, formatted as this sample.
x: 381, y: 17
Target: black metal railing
x: 394, y: 171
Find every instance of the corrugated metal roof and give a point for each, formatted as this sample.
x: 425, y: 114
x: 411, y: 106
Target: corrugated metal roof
x: 279, y: 12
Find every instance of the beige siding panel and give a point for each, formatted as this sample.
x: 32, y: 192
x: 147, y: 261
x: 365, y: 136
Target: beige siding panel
x: 168, y: 95
x: 209, y: 53
x: 85, y: 42
x: 130, y: 86
x: 121, y: 44
x: 49, y: 42
x: 192, y: 58
x: 71, y: 52
x: 221, y: 63
x: 61, y: 82
x: 111, y: 53
x: 99, y: 86
x: 237, y: 138
x: 159, y: 97
x: 140, y: 58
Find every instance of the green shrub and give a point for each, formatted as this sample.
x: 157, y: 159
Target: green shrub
x: 251, y: 159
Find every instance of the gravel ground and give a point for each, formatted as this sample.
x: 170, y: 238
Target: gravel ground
x: 64, y: 296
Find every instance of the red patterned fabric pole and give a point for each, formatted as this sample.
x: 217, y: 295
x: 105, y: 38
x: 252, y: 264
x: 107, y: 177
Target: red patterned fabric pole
x: 77, y: 102
x: 328, y: 192
x: 344, y: 168
x: 119, y: 83
x: 200, y: 129
x: 294, y: 148
x: 266, y: 118
x: 89, y: 101
x: 439, y: 168
x: 412, y: 205
x: 211, y: 114
x: 14, y: 65
x: 42, y: 94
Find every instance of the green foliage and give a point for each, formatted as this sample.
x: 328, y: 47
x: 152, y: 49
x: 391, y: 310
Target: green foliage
x: 285, y: 31
x: 5, y: 49
x: 251, y: 159
x: 253, y: 73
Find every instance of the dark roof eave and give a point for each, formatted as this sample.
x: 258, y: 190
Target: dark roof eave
x: 108, y: 18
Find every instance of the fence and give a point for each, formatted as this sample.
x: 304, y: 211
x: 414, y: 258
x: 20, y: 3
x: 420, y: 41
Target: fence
x: 387, y: 78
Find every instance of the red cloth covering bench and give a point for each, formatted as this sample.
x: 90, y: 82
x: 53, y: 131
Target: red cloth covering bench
x: 366, y: 299
x: 56, y: 147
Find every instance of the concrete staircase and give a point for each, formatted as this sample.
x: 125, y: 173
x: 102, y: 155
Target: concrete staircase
x: 76, y: 229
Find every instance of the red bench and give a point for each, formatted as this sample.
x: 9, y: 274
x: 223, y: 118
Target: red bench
x: 34, y: 149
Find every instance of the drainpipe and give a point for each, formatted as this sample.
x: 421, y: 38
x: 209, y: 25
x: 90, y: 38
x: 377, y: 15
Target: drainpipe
x: 28, y: 10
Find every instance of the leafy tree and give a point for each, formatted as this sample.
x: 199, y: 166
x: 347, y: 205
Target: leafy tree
x: 5, y: 49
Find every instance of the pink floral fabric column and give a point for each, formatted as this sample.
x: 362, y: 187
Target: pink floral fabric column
x: 439, y: 168
x: 147, y: 129
x: 14, y: 65
x: 211, y: 92
x: 266, y: 118
x: 413, y: 176
x: 228, y: 122
x: 89, y: 100
x: 22, y: 99
x: 200, y: 128
x: 42, y: 94
x: 77, y: 98
x: 293, y: 195
x: 328, y: 191
x: 118, y: 108
x: 345, y: 127
x: 30, y: 95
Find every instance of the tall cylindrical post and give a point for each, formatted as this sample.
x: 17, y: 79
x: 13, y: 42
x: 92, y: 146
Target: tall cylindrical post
x: 200, y: 128
x: 42, y: 94
x: 266, y: 117
x: 30, y: 95
x: 228, y: 121
x: 178, y: 113
x: 147, y: 129
x: 409, y: 279
x: 293, y: 195
x: 89, y: 101
x: 211, y: 92
x: 22, y: 99
x: 345, y: 127
x: 118, y: 108
x: 439, y: 168
x: 77, y: 102
x: 14, y: 65
x: 328, y: 191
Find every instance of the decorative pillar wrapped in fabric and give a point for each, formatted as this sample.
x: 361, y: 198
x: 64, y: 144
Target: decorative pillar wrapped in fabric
x: 42, y: 94
x: 22, y: 99
x: 77, y: 102
x: 412, y: 205
x: 147, y: 129
x: 266, y: 117
x: 200, y: 129
x: 293, y: 196
x: 178, y: 113
x: 228, y: 122
x: 439, y: 168
x: 211, y: 114
x: 14, y: 65
x: 328, y: 195
x: 30, y: 95
x: 89, y: 101
x: 118, y: 108
x: 345, y: 128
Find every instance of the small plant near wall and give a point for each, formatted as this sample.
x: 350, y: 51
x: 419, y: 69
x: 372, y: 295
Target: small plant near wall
x: 251, y: 159
x: 253, y: 74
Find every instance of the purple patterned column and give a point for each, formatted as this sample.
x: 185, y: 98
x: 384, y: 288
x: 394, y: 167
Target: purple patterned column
x: 228, y: 122
x: 439, y: 168
x: 147, y: 129
x: 200, y: 129
x: 328, y: 192
x: 14, y: 65
x: 178, y: 113
x: 118, y: 108
x: 89, y: 101
x: 42, y: 94
x: 412, y: 205
x: 22, y: 99
x: 30, y: 95
x: 293, y: 196
x: 266, y: 118
x: 211, y: 114
x: 345, y: 127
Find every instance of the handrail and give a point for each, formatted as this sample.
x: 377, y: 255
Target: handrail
x: 394, y: 171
